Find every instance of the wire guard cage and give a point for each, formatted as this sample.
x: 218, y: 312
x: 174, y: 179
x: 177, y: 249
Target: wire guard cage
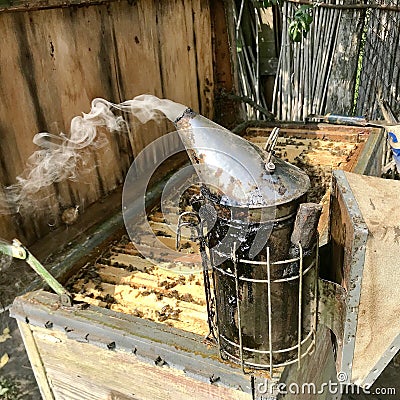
x: 248, y: 341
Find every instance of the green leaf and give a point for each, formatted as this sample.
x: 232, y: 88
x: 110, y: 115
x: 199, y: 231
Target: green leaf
x: 296, y: 37
x: 301, y: 22
x: 308, y: 18
x: 303, y: 8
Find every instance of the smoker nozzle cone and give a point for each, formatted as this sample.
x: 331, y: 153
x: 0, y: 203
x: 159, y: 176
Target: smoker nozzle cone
x: 233, y: 168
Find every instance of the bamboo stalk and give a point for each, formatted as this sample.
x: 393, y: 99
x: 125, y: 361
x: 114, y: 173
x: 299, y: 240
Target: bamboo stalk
x: 302, y: 79
x: 257, y: 61
x: 291, y: 60
x: 313, y: 57
x: 250, y: 102
x: 321, y: 67
x: 370, y: 66
x: 275, y: 107
x: 307, y: 48
x: 328, y: 54
x: 296, y: 81
x: 395, y: 60
x: 285, y: 69
x: 380, y: 57
x: 391, y: 48
x: 299, y: 95
x: 316, y: 54
x: 245, y: 86
x: 293, y: 82
x: 362, y: 88
x: 396, y: 69
x: 305, y: 77
x: 319, y: 55
x: 325, y: 91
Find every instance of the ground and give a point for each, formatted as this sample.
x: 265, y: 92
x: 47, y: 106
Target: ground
x: 16, y: 375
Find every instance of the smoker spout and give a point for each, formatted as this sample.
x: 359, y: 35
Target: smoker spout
x: 235, y: 170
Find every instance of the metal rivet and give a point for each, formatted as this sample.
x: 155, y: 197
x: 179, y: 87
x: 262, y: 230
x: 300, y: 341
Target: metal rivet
x: 48, y: 325
x: 214, y: 378
x: 159, y: 361
x: 111, y: 346
x: 270, y: 166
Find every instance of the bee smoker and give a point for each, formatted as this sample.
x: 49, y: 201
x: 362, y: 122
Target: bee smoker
x: 262, y: 306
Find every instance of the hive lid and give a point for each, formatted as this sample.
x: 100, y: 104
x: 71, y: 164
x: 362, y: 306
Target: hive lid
x: 235, y: 170
x: 364, y: 226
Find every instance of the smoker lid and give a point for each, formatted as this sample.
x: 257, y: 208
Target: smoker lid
x: 235, y: 170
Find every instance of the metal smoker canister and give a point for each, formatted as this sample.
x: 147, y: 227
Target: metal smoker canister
x: 251, y: 199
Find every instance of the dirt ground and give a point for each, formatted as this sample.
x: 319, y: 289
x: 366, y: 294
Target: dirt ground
x: 16, y: 375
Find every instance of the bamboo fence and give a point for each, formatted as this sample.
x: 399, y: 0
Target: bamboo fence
x: 348, y: 60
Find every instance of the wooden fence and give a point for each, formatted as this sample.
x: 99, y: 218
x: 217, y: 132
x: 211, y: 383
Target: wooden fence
x: 56, y: 57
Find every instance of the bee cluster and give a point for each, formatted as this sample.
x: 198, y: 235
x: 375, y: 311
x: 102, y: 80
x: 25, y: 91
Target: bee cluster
x: 121, y: 279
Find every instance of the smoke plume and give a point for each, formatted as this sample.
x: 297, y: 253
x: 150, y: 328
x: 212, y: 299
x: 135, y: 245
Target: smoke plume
x: 62, y: 157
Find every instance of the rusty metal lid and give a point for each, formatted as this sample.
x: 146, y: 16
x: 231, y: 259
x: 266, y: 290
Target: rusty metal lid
x: 237, y: 172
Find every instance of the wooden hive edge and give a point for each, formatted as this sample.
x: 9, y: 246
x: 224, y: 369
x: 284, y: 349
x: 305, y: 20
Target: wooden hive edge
x: 142, y: 339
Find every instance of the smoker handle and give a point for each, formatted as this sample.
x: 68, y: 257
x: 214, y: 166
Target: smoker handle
x: 181, y: 224
x: 269, y: 148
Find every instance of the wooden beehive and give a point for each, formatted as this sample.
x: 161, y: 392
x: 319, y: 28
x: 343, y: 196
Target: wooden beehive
x: 138, y: 330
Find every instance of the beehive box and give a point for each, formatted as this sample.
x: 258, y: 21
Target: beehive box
x: 137, y: 330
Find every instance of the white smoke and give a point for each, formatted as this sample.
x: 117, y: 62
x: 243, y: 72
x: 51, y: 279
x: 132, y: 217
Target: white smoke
x: 62, y: 157
x: 147, y: 107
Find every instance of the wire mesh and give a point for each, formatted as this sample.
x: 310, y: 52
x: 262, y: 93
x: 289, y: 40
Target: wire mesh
x: 264, y: 357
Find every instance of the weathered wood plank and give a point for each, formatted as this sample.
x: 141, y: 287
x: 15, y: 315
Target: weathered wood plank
x: 55, y: 61
x: 36, y: 361
x: 202, y: 38
x: 377, y: 325
x: 185, y: 353
x: 225, y: 62
x: 18, y: 88
x: 177, y: 52
x: 23, y: 5
x: 7, y: 221
x: 137, y: 61
x: 85, y: 372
